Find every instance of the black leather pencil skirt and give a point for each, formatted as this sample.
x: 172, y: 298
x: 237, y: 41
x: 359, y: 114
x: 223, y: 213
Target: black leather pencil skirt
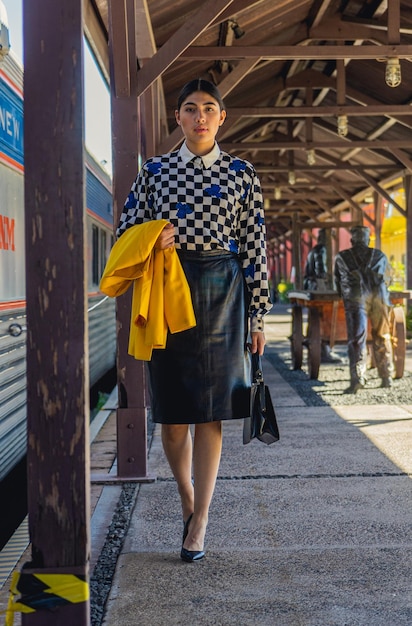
x: 203, y: 374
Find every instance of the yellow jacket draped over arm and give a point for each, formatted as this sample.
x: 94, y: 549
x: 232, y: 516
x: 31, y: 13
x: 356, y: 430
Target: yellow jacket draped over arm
x: 161, y: 295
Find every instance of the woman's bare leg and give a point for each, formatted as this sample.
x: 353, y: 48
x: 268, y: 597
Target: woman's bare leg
x: 177, y: 445
x: 206, y: 459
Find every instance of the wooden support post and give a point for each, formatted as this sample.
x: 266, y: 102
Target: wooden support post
x: 283, y: 262
x: 408, y: 199
x: 394, y: 22
x: 278, y: 266
x: 296, y: 252
x: 309, y: 120
x: 57, y: 357
x: 149, y: 115
x: 333, y: 324
x: 377, y: 201
x: 340, y: 82
x: 329, y: 259
x: 128, y: 146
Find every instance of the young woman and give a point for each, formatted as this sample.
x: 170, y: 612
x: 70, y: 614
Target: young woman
x: 214, y: 207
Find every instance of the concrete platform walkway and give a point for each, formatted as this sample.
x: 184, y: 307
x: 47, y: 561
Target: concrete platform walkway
x: 315, y: 530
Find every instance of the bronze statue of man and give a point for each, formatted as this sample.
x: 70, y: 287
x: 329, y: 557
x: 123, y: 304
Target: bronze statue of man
x: 362, y: 276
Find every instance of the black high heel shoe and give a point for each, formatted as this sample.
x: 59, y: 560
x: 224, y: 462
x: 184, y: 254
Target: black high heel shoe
x: 189, y: 555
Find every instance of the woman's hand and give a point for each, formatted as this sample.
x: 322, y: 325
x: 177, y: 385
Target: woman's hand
x: 166, y: 239
x: 258, y: 342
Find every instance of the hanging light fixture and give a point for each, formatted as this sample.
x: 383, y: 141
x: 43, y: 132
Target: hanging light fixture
x: 393, y: 72
x: 292, y: 177
x: 278, y: 193
x: 311, y: 157
x: 342, y: 125
x: 236, y: 29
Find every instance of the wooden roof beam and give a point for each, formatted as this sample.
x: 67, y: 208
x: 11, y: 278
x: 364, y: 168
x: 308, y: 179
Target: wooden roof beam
x: 303, y: 167
x: 359, y: 171
x: 303, y: 145
x: 317, y: 12
x: 315, y: 79
x: 323, y: 111
x: 97, y: 38
x: 120, y: 47
x: 308, y: 78
x: 145, y: 41
x: 240, y: 7
x: 394, y: 21
x: 393, y: 25
x: 179, y: 41
x: 145, y: 49
x: 337, y: 29
x: 317, y: 180
x: 289, y: 53
x: 326, y: 224
x: 382, y: 192
x: 402, y: 157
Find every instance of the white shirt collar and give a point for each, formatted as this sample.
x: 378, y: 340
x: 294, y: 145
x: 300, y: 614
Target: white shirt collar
x: 208, y: 159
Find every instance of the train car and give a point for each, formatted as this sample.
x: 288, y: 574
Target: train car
x: 101, y: 310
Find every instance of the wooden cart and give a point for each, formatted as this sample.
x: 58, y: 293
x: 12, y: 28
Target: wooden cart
x: 326, y: 322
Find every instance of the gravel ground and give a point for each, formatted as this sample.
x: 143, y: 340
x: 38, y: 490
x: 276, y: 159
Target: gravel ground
x: 102, y: 577
x: 104, y: 570
x: 334, y: 379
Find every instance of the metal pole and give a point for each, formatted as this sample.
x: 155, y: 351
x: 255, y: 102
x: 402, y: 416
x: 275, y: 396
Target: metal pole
x: 57, y: 358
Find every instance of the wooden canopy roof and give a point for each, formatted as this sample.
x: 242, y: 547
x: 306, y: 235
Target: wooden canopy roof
x: 303, y: 81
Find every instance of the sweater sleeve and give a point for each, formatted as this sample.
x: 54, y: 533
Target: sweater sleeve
x: 138, y: 205
x: 252, y: 251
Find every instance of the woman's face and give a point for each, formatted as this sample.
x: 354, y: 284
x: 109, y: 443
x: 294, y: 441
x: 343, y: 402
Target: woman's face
x: 200, y: 118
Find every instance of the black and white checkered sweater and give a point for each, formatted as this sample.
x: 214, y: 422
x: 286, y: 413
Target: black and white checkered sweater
x: 219, y: 206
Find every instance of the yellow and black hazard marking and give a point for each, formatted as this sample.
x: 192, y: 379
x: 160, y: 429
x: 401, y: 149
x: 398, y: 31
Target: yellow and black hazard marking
x: 37, y: 592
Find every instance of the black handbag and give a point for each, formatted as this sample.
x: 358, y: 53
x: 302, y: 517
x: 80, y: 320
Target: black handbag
x: 262, y: 422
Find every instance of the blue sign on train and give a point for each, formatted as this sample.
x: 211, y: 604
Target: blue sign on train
x: 11, y: 124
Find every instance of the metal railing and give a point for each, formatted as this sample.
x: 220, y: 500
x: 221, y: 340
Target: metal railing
x: 15, y: 329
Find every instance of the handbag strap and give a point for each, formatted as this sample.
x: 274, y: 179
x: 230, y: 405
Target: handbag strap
x: 257, y: 372
x: 257, y: 378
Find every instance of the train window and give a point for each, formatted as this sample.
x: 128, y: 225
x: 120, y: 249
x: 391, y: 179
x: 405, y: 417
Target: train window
x: 103, y: 250
x: 95, y: 255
